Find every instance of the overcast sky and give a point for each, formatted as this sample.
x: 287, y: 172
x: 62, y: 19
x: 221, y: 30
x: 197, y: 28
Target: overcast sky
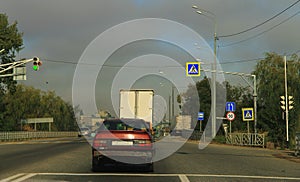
x: 58, y: 32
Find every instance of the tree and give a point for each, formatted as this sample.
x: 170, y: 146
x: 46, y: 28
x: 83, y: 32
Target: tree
x: 270, y: 85
x: 11, y: 41
x: 28, y: 102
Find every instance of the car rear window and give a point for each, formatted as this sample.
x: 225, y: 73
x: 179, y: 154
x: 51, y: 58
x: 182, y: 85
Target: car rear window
x: 124, y: 125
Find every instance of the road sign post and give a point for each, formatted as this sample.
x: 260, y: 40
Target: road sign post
x: 230, y: 117
x: 38, y: 120
x: 248, y: 115
x: 200, y: 119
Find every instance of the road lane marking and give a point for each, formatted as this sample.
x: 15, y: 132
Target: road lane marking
x: 183, y: 178
x: 25, y: 177
x: 12, y: 177
x: 243, y: 176
x: 173, y: 175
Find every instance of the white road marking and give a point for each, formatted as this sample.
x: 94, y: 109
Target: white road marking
x: 12, y: 177
x: 25, y: 177
x: 183, y: 178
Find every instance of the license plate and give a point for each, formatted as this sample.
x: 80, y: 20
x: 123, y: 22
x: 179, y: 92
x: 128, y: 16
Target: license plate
x: 122, y: 143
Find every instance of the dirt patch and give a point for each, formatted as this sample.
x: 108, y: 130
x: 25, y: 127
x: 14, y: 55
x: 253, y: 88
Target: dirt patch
x: 289, y: 155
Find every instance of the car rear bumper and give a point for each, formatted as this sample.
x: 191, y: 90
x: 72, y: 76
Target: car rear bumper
x: 122, y: 153
x: 121, y: 156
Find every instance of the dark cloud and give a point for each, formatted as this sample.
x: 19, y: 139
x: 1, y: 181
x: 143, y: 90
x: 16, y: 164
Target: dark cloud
x: 60, y: 30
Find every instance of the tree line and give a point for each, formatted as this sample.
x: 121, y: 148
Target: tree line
x: 28, y: 102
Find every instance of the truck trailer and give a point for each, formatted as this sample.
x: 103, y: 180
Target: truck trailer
x: 137, y: 103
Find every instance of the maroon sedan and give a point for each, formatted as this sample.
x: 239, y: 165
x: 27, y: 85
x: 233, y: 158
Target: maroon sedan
x: 122, y: 142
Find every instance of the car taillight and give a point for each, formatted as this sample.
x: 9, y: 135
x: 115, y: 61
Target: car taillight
x: 143, y: 142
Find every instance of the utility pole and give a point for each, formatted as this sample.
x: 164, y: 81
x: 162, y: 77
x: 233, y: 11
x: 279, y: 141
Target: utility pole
x: 214, y: 94
x: 255, y: 105
x: 286, y: 101
x: 173, y: 102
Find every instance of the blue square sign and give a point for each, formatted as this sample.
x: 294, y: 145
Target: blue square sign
x: 230, y: 106
x: 192, y: 69
x: 200, y: 115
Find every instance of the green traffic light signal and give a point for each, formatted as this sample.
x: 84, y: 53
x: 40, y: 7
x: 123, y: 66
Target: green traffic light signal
x: 36, y: 64
x: 35, y: 67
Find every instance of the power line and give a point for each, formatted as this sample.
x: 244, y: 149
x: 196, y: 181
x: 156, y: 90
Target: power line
x: 264, y: 22
x: 257, y: 35
x: 159, y: 66
x: 242, y: 61
x: 116, y: 66
x: 61, y: 61
x: 110, y: 66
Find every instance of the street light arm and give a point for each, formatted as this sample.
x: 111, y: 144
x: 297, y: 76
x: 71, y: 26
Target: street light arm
x: 203, y: 10
x: 212, y: 17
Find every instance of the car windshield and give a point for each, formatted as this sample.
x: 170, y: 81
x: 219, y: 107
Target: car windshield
x: 137, y: 125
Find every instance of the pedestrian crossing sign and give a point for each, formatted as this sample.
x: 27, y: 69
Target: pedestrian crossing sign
x: 192, y: 69
x: 248, y: 114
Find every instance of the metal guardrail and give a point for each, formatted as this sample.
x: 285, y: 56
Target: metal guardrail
x: 245, y: 139
x: 297, y: 142
x: 23, y: 135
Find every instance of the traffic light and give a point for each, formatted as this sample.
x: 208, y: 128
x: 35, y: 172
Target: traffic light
x: 291, y: 102
x: 282, y: 102
x: 36, y: 63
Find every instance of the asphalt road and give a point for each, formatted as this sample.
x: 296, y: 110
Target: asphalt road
x: 70, y: 160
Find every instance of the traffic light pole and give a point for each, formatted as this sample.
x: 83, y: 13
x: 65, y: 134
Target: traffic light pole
x: 8, y: 66
x: 286, y: 101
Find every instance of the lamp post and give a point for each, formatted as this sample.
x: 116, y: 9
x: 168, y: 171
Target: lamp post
x: 213, y: 17
x: 255, y: 104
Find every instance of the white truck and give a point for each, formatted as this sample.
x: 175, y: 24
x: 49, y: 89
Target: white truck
x: 137, y: 103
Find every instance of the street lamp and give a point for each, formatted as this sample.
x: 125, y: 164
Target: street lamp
x: 2, y: 50
x: 212, y: 17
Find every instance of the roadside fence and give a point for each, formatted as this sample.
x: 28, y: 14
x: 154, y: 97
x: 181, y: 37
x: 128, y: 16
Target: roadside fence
x: 297, y: 147
x: 246, y: 139
x: 25, y: 135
